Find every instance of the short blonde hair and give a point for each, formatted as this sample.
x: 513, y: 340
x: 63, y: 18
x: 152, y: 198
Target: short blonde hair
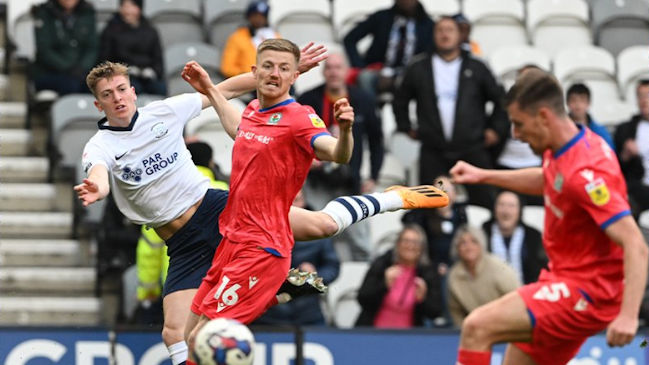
x: 280, y: 45
x: 475, y: 232
x: 105, y: 70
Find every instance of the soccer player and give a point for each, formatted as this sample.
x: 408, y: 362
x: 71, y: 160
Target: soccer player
x: 141, y: 155
x: 598, y: 256
x: 276, y: 140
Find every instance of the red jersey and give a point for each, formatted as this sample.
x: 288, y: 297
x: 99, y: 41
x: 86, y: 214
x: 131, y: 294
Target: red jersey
x: 584, y: 192
x: 272, y: 153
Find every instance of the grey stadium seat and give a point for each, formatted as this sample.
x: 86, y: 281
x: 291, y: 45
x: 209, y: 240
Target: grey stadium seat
x: 620, y: 24
x: 177, y: 55
x: 176, y: 20
x: 221, y: 18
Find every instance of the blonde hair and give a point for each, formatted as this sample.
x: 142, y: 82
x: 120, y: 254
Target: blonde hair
x: 475, y: 232
x: 280, y: 45
x: 105, y: 70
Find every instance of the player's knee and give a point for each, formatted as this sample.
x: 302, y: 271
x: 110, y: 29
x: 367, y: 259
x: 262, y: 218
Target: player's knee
x: 475, y: 330
x: 171, y: 335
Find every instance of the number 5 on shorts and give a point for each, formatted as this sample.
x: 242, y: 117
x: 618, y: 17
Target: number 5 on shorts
x: 229, y: 297
x: 552, y: 292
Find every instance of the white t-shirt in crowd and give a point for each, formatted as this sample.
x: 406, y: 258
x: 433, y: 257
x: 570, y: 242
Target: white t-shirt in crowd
x: 447, y: 80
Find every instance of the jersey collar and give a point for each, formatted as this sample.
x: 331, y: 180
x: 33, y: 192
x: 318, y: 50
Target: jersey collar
x: 572, y: 142
x: 285, y: 102
x: 103, y: 124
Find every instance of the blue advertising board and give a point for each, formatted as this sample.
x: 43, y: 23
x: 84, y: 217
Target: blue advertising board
x: 35, y: 346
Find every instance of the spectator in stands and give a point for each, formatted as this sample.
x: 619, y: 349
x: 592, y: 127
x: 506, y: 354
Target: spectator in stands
x: 465, y: 35
x: 240, y: 49
x: 400, y: 288
x: 311, y: 256
x: 452, y: 89
x: 514, y: 242
x: 477, y: 277
x: 328, y: 180
x: 398, y: 33
x: 632, y: 143
x: 578, y: 100
x: 440, y: 225
x: 66, y: 45
x: 130, y: 38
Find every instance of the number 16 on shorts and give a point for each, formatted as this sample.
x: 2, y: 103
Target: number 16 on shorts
x: 229, y: 296
x: 552, y: 292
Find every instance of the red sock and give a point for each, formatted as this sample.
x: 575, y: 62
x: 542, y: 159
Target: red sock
x: 468, y: 357
x: 189, y: 362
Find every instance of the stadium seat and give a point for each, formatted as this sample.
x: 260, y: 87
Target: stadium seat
x: 177, y: 55
x: 632, y: 66
x: 496, y: 23
x: 436, y: 8
x: 207, y: 127
x: 302, y: 21
x: 222, y: 18
x: 406, y: 151
x: 477, y: 215
x: 506, y: 61
x: 620, y: 24
x: 557, y: 24
x: 347, y: 13
x: 74, y: 122
x: 534, y: 216
x: 341, y: 290
x: 383, y: 227
x: 613, y: 112
x: 20, y: 28
x: 643, y: 220
x: 591, y: 65
x: 177, y: 21
x: 105, y: 10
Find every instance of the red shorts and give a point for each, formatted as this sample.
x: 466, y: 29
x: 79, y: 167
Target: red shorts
x: 242, y: 282
x: 563, y: 317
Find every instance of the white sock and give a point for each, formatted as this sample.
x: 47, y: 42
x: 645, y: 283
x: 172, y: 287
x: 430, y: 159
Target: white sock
x: 178, y: 352
x: 347, y: 210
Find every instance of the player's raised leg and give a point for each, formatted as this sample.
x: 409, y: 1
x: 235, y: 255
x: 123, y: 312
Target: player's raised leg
x: 503, y: 320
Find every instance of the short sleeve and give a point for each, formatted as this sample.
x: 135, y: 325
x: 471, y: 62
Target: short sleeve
x: 601, y: 193
x: 307, y: 128
x: 185, y: 106
x: 93, y: 155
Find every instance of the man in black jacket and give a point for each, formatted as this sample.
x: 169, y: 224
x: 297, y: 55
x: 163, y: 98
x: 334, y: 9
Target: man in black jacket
x: 397, y: 33
x: 632, y: 144
x: 452, y: 90
x: 330, y: 179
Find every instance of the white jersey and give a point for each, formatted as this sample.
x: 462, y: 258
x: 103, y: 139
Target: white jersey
x: 152, y: 176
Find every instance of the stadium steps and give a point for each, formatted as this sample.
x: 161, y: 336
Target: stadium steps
x: 40, y: 252
x: 47, y: 280
x: 23, y: 169
x: 15, y: 142
x: 12, y: 114
x: 50, y: 311
x: 36, y: 224
x: 28, y: 197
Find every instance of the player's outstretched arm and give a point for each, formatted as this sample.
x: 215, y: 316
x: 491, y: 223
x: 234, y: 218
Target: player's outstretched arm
x: 199, y: 79
x: 339, y: 149
x: 526, y: 181
x: 626, y: 233
x: 94, y: 187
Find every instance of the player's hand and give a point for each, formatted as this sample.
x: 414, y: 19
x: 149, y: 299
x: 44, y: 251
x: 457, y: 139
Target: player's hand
x: 420, y: 289
x: 197, y: 77
x: 391, y: 274
x: 621, y: 331
x: 344, y: 114
x: 464, y: 173
x: 311, y: 56
x: 88, y: 192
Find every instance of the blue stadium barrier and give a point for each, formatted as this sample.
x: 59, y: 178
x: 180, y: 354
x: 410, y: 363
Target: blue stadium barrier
x: 275, y: 346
